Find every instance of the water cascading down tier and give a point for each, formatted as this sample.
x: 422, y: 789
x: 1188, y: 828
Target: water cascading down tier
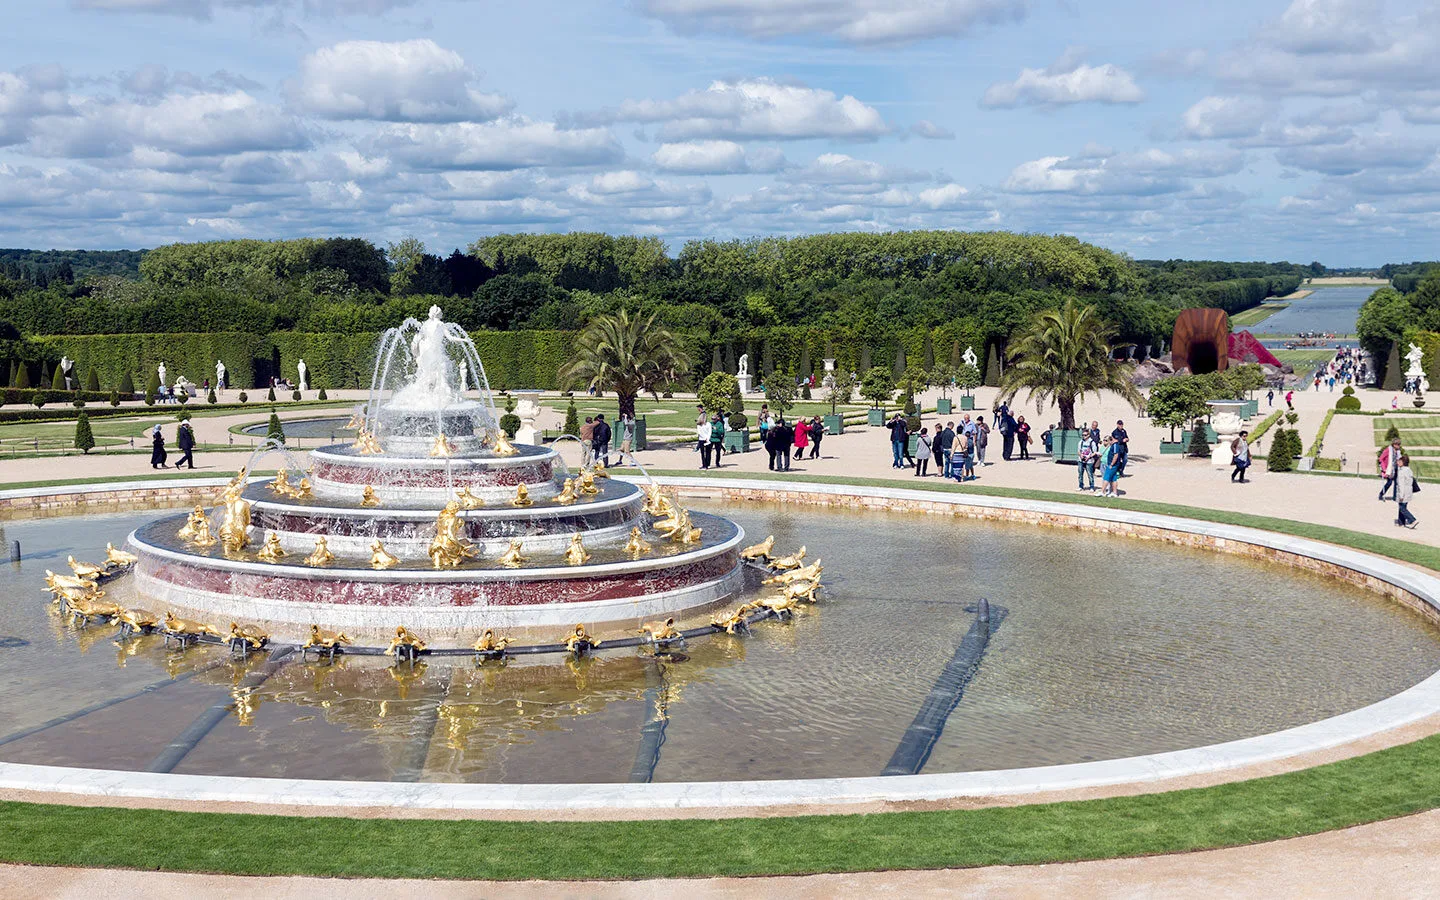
x: 433, y: 520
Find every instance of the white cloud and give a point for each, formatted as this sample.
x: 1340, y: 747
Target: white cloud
x: 858, y: 21
x: 930, y: 131
x: 1328, y: 26
x: 206, y: 9
x: 840, y: 169
x: 1066, y: 81
x: 715, y: 158
x: 1376, y: 151
x: 402, y: 81
x: 27, y: 94
x: 512, y: 143
x: 1225, y: 117
x: 1146, y: 173
x: 946, y: 196
x: 754, y: 108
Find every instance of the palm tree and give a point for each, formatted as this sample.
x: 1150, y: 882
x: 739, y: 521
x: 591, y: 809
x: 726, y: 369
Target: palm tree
x: 625, y: 354
x: 1065, y: 354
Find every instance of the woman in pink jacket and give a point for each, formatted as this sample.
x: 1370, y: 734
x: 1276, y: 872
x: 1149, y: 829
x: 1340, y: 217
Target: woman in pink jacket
x: 802, y: 438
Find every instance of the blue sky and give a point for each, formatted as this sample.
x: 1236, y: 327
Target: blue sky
x: 1234, y: 130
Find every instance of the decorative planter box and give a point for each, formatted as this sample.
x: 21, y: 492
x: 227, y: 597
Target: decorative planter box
x: 1210, y: 436
x: 912, y: 443
x: 1252, y: 408
x: 1065, y: 445
x: 834, y: 424
x: 1173, y: 448
x: 640, y: 433
x: 967, y: 402
x: 943, y: 406
x: 875, y: 417
x: 737, y: 441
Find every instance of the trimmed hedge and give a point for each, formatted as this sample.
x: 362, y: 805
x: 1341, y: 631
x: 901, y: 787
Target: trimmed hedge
x: 67, y: 411
x: 27, y: 396
x: 193, y: 355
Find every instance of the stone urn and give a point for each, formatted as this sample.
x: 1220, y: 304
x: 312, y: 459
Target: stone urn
x: 527, y: 407
x: 1225, y: 418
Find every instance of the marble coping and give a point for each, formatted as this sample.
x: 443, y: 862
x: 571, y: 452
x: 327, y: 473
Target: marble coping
x: 1408, y: 706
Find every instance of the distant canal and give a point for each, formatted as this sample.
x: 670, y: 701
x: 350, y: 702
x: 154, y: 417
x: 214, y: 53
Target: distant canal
x: 1329, y: 309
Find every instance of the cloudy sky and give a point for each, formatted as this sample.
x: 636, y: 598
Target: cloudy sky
x: 1225, y: 129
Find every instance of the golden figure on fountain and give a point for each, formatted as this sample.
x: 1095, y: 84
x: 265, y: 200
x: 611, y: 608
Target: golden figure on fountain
x: 235, y: 532
x: 793, y: 561
x: 661, y: 632
x: 54, y: 583
x: 356, y: 423
x: 249, y: 635
x: 368, y: 500
x: 301, y: 491
x: 85, y: 569
x: 280, y: 484
x: 512, y: 559
x: 636, y: 546
x: 450, y: 547
x: 805, y: 573
x: 186, y: 629
x: 656, y: 503
x: 272, y: 551
x: 322, y: 555
x: 442, y: 447
x: 501, y: 445
x: 587, y: 482
x: 467, y: 499
x: 119, y: 558
x: 576, y: 554
x: 380, y: 558
x: 567, y: 493
x: 760, y: 550
x: 579, y: 641
x: 196, y: 521
x: 522, y: 496
x: 138, y: 620
x: 489, y: 645
x: 325, y: 641
x: 405, y: 640
x: 366, y: 444
x: 730, y: 622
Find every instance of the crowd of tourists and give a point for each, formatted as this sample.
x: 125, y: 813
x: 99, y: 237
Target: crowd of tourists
x: 784, y: 439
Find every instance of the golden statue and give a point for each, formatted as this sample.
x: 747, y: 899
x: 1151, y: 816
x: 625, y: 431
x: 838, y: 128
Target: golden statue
x: 512, y: 558
x: 579, y: 641
x: 760, y: 550
x: 322, y: 555
x: 661, y: 632
x: 404, y: 639
x: 522, y: 496
x: 442, y: 447
x: 202, y: 536
x: 502, y: 445
x: 489, y: 645
x: 120, y: 558
x: 656, y: 503
x: 576, y: 554
x: 598, y: 470
x: 806, y: 573
x: 368, y: 499
x: 195, y: 521
x: 802, y: 590
x: 730, y: 622
x: 450, y: 548
x: 782, y: 606
x: 567, y: 493
x: 251, y: 636
x: 54, y: 583
x: 235, y: 532
x: 691, y: 536
x: 324, y: 641
x: 380, y: 558
x: 670, y: 525
x: 238, y: 481
x: 272, y: 550
x: 141, y: 620
x: 587, y: 482
x: 366, y: 443
x: 92, y: 607
x: 182, y: 628
x: 84, y: 569
x: 280, y: 484
x: 70, y: 596
x: 636, y: 546
x: 793, y: 561
x: 468, y: 500
x: 356, y: 423
x: 302, y: 490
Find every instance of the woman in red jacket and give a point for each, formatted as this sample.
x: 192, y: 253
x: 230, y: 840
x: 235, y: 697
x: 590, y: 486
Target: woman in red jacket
x: 802, y: 438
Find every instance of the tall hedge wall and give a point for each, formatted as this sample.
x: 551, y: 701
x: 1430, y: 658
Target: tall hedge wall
x: 191, y: 355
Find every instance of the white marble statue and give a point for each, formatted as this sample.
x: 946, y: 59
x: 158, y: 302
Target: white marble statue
x: 304, y: 374
x: 970, y: 357
x: 219, y: 375
x: 464, y: 376
x: 1416, y: 370
x: 744, y: 364
x: 433, y: 385
x: 161, y: 371
x: 67, y: 369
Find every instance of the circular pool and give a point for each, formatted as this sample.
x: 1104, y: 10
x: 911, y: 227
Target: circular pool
x: 1101, y: 647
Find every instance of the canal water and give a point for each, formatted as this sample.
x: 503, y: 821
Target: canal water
x: 1330, y: 309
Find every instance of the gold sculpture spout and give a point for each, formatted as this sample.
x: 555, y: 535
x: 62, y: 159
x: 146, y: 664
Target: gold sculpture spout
x: 368, y: 500
x: 636, y: 546
x: 802, y: 590
x: 138, y: 620
x: 301, y: 490
x: 235, y: 532
x: 405, y: 643
x: 587, y: 483
x: 489, y: 645
x: 380, y: 558
x: 793, y: 561
x: 325, y: 641
x: 322, y: 555
x: 272, y: 551
x: 450, y: 547
x: 119, y: 558
x: 760, y: 550
x: 576, y: 554
x: 731, y: 622
x: 579, y: 641
x: 598, y: 470
x: 366, y: 444
x: 54, y: 583
x: 661, y: 632
x: 656, y: 502
x: 196, y: 527
x: 522, y: 496
x: 512, y: 558
x: 567, y: 493
x: 248, y: 635
x: 442, y: 447
x: 356, y: 423
x: 179, y: 627
x: 782, y: 606
x: 805, y: 573
x: 280, y: 484
x: 85, y: 569
x: 502, y: 445
x: 468, y: 500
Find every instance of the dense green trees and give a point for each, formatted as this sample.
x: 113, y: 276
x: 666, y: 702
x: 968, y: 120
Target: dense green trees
x: 1061, y: 356
x: 628, y: 354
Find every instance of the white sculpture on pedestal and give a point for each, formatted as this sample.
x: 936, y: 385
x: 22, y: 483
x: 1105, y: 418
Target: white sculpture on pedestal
x: 969, y: 356
x: 1416, y: 370
x: 1225, y: 419
x: 304, y: 374
x: 161, y: 372
x: 743, y: 376
x: 829, y: 380
x: 67, y: 367
x: 464, y: 376
x: 527, y: 407
x: 219, y: 375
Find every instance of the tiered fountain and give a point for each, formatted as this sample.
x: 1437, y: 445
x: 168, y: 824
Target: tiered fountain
x: 432, y: 520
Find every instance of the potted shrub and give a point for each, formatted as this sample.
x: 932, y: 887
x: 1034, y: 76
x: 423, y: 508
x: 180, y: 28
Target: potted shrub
x: 967, y: 379
x: 1173, y: 402
x: 737, y: 436
x: 840, y: 392
x: 877, y: 386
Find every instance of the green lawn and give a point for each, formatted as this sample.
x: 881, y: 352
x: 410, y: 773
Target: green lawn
x: 1257, y: 314
x: 1304, y: 361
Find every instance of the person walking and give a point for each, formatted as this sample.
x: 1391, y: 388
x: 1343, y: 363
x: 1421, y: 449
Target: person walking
x: 1290, y: 400
x: 1045, y: 437
x: 1404, y: 491
x: 817, y: 434
x: 923, y: 452
x: 802, y: 438
x: 1007, y: 433
x: 982, y: 440
x: 960, y: 455
x: 937, y: 451
x: 899, y: 438
x: 1089, y: 456
x: 945, y: 440
x: 587, y: 440
x: 1386, y: 463
x: 1270, y: 397
x: 157, y: 450
x: 771, y: 443
x: 1240, y: 457
x: 627, y: 436
x: 717, y: 438
x: 784, y: 436
x: 600, y: 448
x: 185, y: 440
x: 1022, y: 434
x: 1111, y: 461
x: 1122, y: 440
x: 702, y: 441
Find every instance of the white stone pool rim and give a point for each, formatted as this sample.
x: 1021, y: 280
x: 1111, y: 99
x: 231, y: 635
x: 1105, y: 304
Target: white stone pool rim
x: 1407, y: 707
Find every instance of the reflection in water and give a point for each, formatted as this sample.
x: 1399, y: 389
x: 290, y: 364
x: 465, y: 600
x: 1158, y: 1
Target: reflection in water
x: 1108, y: 650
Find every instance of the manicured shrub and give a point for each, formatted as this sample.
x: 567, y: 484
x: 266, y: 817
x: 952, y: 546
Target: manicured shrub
x: 127, y: 386
x: 510, y: 424
x: 321, y: 395
x: 295, y: 395
x: 275, y: 431
x: 244, y: 397
x: 1199, y: 446
x: 270, y: 395
x: 22, y: 378
x: 152, y: 387
x: 84, y: 437
x: 77, y: 403
x: 1280, y: 459
x: 1392, y: 433
x: 211, y: 398
x: 92, y: 381
x: 572, y: 420
x: 1351, y: 403
x: 114, y: 398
